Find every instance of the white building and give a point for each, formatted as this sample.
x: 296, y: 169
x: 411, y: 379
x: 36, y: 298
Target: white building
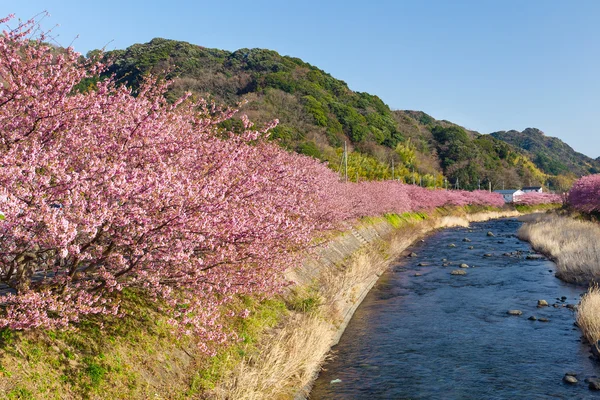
x: 510, y: 195
x: 530, y: 189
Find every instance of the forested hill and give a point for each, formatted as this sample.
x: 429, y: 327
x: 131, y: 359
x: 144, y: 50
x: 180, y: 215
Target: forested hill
x: 318, y: 113
x: 550, y: 154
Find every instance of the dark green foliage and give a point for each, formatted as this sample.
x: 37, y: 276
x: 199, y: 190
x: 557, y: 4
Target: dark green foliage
x: 425, y: 119
x: 286, y: 135
x: 86, y: 85
x: 309, y: 149
x: 454, y: 145
x: 549, y: 164
x: 550, y: 154
x: 316, y: 109
x: 233, y: 124
x: 474, y: 160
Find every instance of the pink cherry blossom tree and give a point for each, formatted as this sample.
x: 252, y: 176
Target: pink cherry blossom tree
x: 585, y: 194
x: 534, y: 198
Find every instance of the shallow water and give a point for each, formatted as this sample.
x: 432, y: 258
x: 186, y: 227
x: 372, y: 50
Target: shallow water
x: 439, y: 336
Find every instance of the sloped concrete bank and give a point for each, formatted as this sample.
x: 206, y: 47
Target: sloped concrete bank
x: 337, y: 276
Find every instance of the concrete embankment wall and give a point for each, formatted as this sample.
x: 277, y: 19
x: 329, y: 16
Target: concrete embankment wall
x: 339, y: 273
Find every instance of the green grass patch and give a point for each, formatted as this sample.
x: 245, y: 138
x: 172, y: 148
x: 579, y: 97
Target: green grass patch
x: 95, y: 371
x: 398, y: 220
x: 304, y: 299
x: 19, y: 393
x: 471, y: 209
x: 538, y: 207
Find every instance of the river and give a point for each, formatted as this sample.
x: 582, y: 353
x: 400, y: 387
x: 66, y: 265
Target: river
x: 422, y: 333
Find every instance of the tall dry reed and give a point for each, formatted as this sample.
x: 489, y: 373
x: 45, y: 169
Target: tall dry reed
x: 588, y: 314
x: 574, y: 245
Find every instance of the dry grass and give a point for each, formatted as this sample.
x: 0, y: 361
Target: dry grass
x: 588, y: 314
x: 533, y: 217
x: 288, y: 362
x: 284, y: 365
x: 573, y: 244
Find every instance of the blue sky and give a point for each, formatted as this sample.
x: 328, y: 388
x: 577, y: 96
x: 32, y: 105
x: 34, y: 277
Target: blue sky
x: 488, y: 65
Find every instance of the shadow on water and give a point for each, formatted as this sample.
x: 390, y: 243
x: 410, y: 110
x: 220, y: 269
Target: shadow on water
x: 441, y: 336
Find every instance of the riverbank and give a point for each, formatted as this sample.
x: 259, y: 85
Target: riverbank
x: 281, y: 345
x: 335, y: 280
x: 422, y: 332
x: 574, y: 245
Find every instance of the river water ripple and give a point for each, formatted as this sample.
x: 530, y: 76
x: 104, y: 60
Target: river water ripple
x: 440, y: 336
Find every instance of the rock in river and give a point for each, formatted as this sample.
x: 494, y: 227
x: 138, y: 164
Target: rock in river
x: 594, y: 384
x: 514, y: 312
x: 596, y: 349
x: 463, y: 265
x: 458, y: 272
x: 542, y: 303
x: 412, y: 254
x: 570, y: 379
x: 490, y: 234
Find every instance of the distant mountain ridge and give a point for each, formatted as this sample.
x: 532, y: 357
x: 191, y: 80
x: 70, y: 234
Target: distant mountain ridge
x: 550, y: 154
x: 319, y: 113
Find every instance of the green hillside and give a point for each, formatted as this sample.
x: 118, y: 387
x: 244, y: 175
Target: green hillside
x: 472, y: 158
x: 318, y: 113
x: 550, y: 154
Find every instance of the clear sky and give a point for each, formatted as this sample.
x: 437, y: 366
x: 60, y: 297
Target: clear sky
x: 487, y: 65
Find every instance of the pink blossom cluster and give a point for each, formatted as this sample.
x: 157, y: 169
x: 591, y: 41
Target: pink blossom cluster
x: 535, y: 198
x: 377, y: 198
x: 102, y: 190
x: 585, y: 194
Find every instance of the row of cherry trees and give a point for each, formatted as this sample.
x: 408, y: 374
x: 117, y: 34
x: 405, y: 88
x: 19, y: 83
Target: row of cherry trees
x: 585, y: 194
x: 535, y: 198
x: 102, y: 190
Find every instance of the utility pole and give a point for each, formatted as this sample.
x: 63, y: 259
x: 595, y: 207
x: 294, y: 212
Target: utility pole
x: 457, y: 184
x: 502, y: 185
x: 478, y: 184
x: 490, y: 185
x: 446, y: 183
